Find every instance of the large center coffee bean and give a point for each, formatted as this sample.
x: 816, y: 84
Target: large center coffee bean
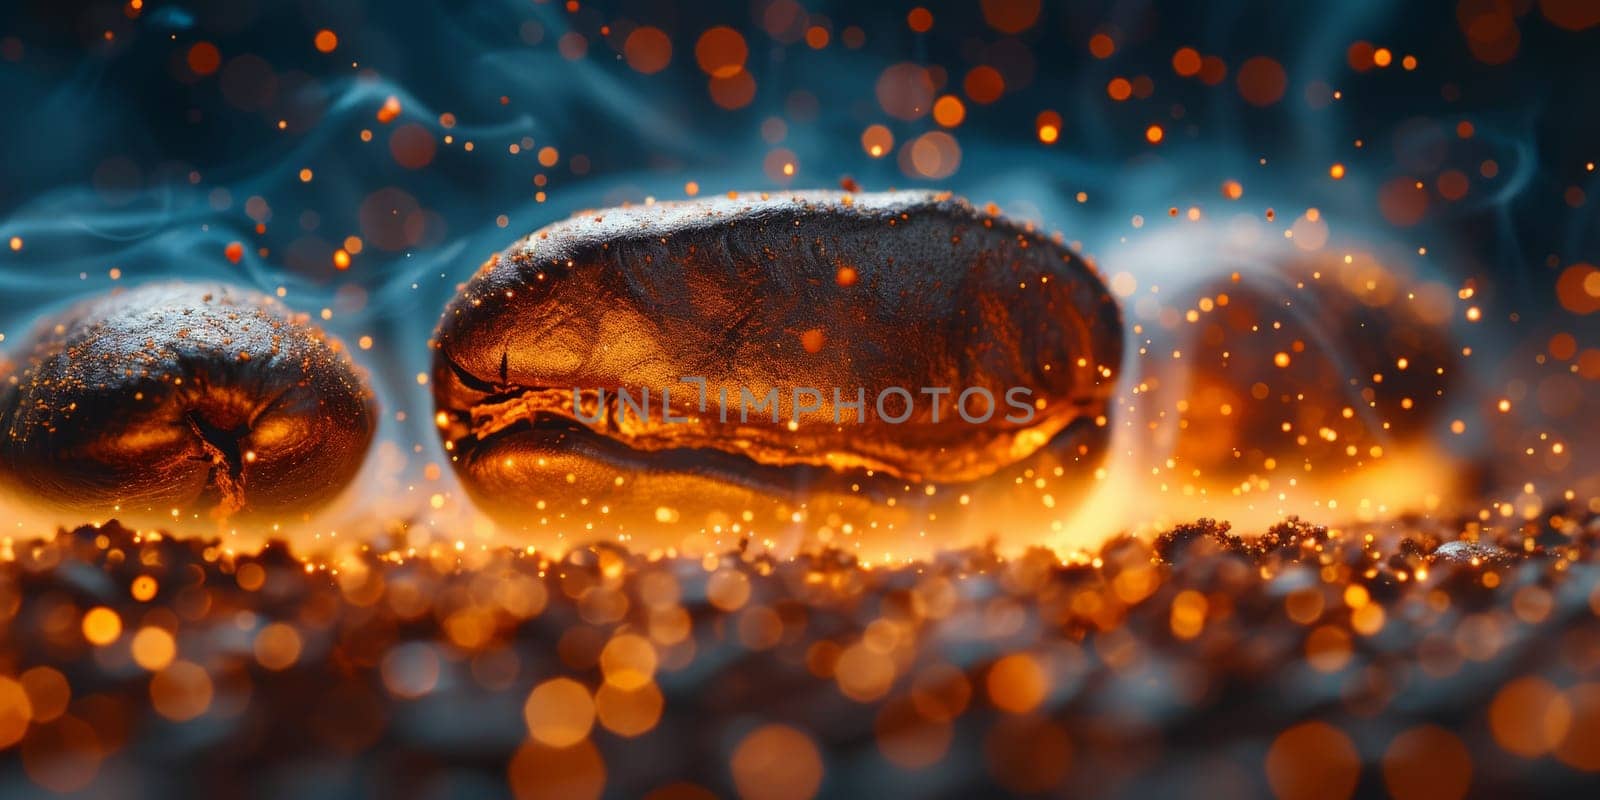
x: 200, y: 399
x: 815, y: 362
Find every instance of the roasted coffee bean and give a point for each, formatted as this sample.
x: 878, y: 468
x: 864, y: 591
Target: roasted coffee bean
x: 202, y: 399
x: 830, y: 291
x: 1315, y: 367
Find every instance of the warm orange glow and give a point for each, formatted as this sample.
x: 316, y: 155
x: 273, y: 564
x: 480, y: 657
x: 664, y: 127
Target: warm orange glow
x: 1312, y: 760
x: 204, y: 58
x: 1017, y: 683
x: 1102, y: 46
x: 647, y: 50
x: 277, y: 646
x: 984, y: 84
x: 877, y: 140
x: 1262, y: 81
x: 1529, y: 717
x: 905, y: 91
x: 154, y: 648
x: 181, y: 692
x: 1048, y: 124
x: 721, y: 52
x: 559, y: 712
x: 1010, y: 16
x: 628, y: 662
x: 15, y: 712
x: 776, y: 762
x: 949, y: 111
x: 101, y: 626
x: 389, y: 110
x: 1578, y: 288
x: 1186, y: 62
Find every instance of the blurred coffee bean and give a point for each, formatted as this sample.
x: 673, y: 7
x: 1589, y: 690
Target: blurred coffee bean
x: 179, y: 401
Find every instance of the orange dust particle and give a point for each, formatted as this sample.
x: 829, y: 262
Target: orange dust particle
x: 984, y: 84
x: 905, y: 90
x: 647, y: 50
x: 1312, y: 760
x: 341, y: 259
x: 1382, y: 57
x: 234, y: 251
x: 1154, y: 134
x: 1578, y: 289
x: 572, y: 46
x: 1010, y: 16
x: 1232, y: 190
x: 877, y: 140
x: 1102, y: 46
x: 1529, y: 717
x: 1402, y: 202
x: 691, y: 188
x: 1359, y: 56
x: 1336, y: 172
x: 733, y: 92
x: 934, y: 154
x: 920, y: 19
x: 776, y: 762
x: 1563, y: 346
x: 1574, y: 15
x: 101, y: 626
x: 1119, y: 89
x: 721, y: 52
x: 412, y: 146
x: 1262, y: 81
x: 559, y: 712
x: 204, y: 58
x: 1017, y: 683
x: 1427, y: 762
x: 948, y: 111
x: 539, y: 772
x: 1049, y: 126
x: 780, y: 165
x: 389, y: 110
x: 326, y: 41
x: 846, y: 276
x: 1452, y: 184
x: 1186, y: 62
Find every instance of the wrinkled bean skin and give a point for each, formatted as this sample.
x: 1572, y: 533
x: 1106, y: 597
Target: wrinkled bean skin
x: 824, y: 290
x: 216, y: 402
